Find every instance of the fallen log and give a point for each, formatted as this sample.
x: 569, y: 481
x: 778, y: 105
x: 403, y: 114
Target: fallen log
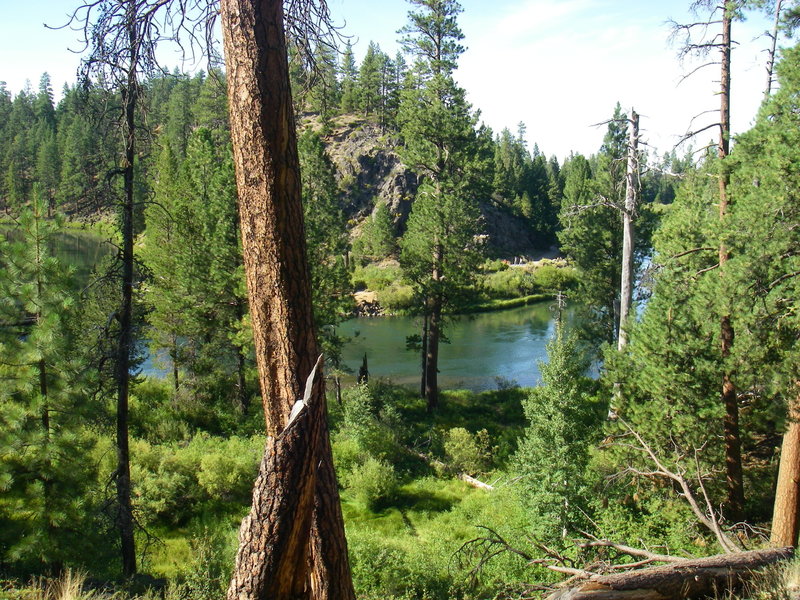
x: 691, y: 578
x: 468, y: 479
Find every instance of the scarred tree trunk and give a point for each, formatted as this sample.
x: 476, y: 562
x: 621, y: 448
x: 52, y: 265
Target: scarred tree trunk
x: 733, y: 443
x: 786, y: 513
x: 628, y: 231
x: 272, y: 561
x: 273, y: 243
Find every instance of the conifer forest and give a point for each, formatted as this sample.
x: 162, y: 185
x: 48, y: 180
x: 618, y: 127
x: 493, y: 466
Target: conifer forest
x: 181, y: 252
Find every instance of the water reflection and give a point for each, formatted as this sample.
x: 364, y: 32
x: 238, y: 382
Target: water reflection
x: 507, y: 344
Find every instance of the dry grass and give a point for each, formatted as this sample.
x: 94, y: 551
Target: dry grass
x: 71, y: 585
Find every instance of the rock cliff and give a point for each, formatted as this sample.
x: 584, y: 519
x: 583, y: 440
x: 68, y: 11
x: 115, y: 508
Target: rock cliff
x: 369, y: 170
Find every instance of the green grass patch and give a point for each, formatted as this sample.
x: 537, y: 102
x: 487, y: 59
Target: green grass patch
x: 505, y: 303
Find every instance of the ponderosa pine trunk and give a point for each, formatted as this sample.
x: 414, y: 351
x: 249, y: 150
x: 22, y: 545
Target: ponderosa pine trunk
x: 786, y: 512
x: 272, y: 560
x: 628, y: 231
x: 278, y: 279
x: 733, y: 443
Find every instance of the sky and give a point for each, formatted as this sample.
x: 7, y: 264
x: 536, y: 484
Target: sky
x: 558, y: 66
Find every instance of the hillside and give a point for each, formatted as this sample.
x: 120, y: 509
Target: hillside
x: 369, y: 171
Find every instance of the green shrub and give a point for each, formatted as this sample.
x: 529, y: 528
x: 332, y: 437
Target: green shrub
x: 551, y: 278
x: 509, y: 283
x: 373, y: 482
x: 492, y: 266
x: 228, y: 472
x: 466, y: 452
x: 208, y: 573
x: 397, y: 297
x: 378, y: 277
x: 174, y: 482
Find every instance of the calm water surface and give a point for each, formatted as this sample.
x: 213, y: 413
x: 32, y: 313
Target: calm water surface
x: 506, y: 344
x: 484, y: 349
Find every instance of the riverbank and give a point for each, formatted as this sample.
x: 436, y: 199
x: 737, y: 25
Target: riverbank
x: 381, y: 289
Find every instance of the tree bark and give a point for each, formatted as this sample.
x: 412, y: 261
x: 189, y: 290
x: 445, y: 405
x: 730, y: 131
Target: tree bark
x: 272, y: 560
x: 274, y: 250
x: 733, y: 443
x: 628, y: 231
x: 432, y: 355
x: 711, y: 576
x: 786, y: 513
x: 424, y: 353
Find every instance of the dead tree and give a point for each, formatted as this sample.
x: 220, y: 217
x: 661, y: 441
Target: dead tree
x: 712, y: 576
x: 632, y: 187
x: 121, y: 36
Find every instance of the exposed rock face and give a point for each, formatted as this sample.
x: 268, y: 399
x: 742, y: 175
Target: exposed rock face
x: 507, y: 234
x: 369, y: 171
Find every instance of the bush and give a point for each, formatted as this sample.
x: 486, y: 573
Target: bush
x: 467, y: 453
x: 228, y: 471
x: 174, y: 482
x: 509, y: 283
x: 372, y: 482
x: 551, y: 278
x: 396, y: 297
x: 377, y: 277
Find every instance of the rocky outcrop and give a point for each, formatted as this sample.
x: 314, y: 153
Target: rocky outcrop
x: 369, y: 171
x: 507, y: 234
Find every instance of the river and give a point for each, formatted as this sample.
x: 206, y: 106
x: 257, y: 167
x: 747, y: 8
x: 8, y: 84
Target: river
x: 485, y: 350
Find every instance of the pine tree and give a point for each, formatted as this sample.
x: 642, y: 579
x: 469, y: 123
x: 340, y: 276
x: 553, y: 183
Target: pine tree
x: 326, y: 238
x: 44, y: 470
x: 763, y: 273
x: 553, y: 453
x: 591, y: 233
x: 324, y: 95
x: 197, y: 289
x: 439, y: 250
x: 349, y: 82
x: 370, y: 81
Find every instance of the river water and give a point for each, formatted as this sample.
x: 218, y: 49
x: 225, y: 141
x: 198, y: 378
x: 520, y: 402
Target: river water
x: 486, y: 350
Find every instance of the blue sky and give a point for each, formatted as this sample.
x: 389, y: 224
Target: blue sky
x: 558, y: 66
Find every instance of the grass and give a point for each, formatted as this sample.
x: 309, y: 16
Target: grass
x: 505, y: 303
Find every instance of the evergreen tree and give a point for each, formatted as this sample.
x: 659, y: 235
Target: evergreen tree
x: 326, y: 238
x: 439, y: 250
x: 377, y: 238
x: 433, y: 35
x: 349, y: 82
x: 197, y: 290
x: 371, y: 76
x: 763, y: 276
x: 324, y: 95
x: 210, y: 108
x: 178, y: 122
x: 44, y: 469
x: 591, y: 229
x: 553, y: 453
